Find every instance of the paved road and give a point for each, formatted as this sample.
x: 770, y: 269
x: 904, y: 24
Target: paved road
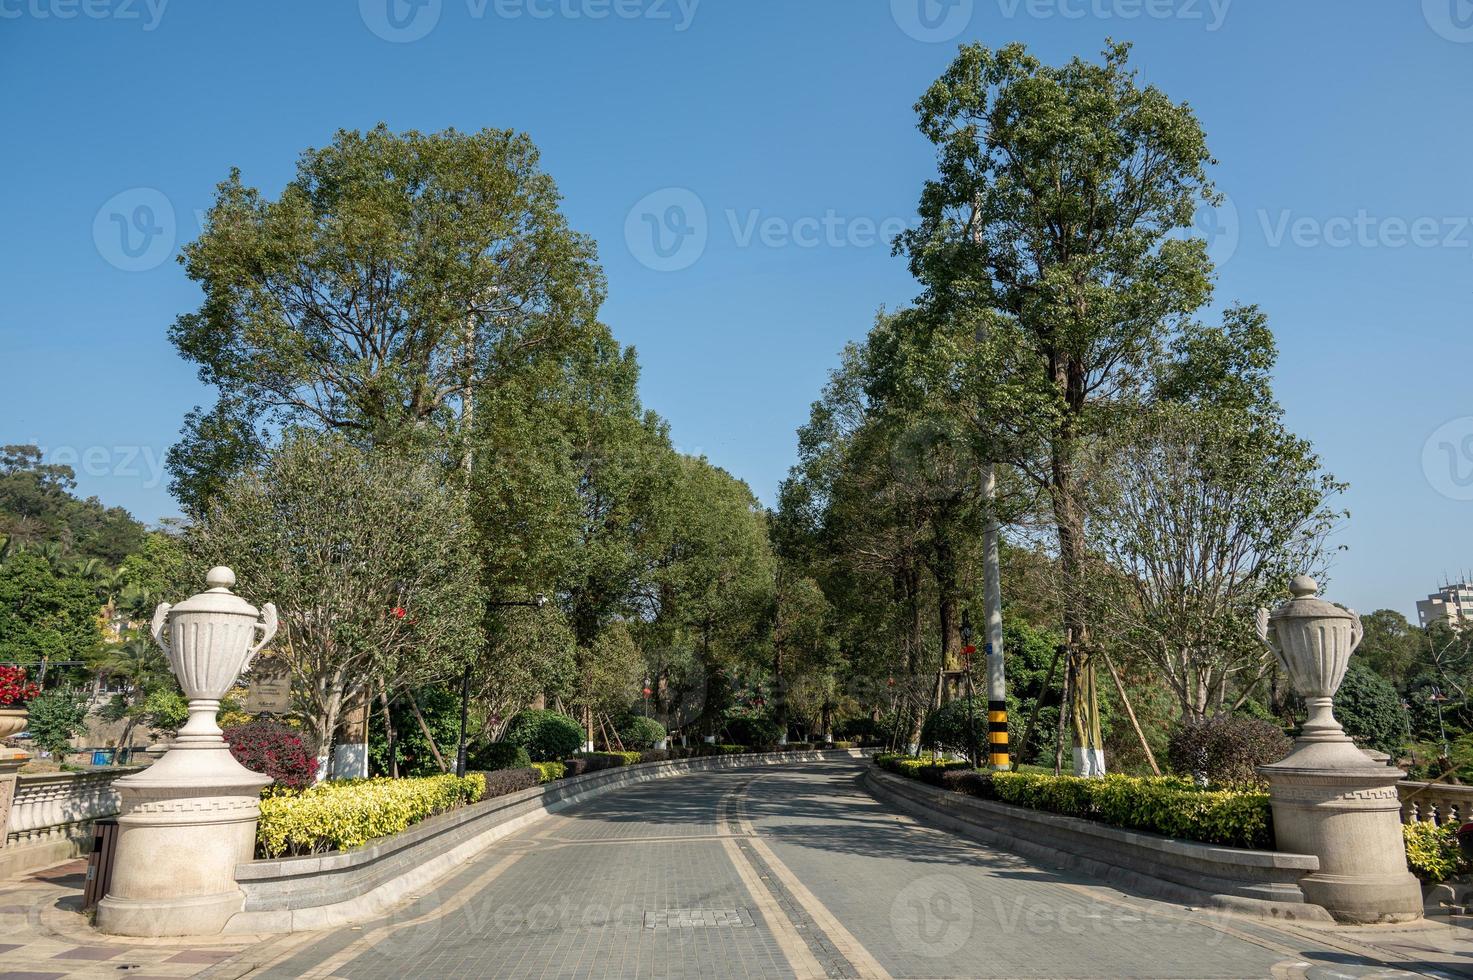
x: 782, y: 872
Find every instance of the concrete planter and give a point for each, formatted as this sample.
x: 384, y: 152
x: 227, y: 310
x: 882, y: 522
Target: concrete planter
x: 13, y: 721
x: 1263, y: 883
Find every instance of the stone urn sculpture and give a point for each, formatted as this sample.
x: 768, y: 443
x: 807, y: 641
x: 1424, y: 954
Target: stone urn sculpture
x: 187, y: 820
x: 1328, y: 797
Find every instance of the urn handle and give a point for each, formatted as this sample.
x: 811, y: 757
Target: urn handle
x: 1357, y: 631
x: 160, y: 626
x: 267, y: 626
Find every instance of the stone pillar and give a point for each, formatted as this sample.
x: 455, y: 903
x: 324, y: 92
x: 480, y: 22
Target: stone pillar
x: 190, y: 818
x: 1328, y: 797
x: 10, y: 762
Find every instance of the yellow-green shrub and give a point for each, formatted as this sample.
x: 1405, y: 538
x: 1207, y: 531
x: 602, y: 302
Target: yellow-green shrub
x: 1170, y: 805
x: 336, y: 816
x: 1432, y: 851
x: 549, y: 771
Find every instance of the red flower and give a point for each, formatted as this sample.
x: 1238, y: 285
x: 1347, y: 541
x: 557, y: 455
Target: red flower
x: 399, y: 612
x: 14, y: 689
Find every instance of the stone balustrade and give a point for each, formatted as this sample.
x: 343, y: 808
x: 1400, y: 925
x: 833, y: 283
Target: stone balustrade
x: 1439, y: 802
x: 55, y: 806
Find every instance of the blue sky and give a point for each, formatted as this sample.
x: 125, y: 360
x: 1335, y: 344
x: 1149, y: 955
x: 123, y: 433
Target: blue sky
x: 778, y: 139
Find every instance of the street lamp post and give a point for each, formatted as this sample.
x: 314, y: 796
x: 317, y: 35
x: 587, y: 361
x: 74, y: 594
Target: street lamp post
x: 1437, y: 698
x: 536, y: 602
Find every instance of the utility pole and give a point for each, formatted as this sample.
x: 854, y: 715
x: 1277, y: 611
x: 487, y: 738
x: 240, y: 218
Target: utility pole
x: 997, y: 690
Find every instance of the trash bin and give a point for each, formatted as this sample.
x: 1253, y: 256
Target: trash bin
x: 99, y: 862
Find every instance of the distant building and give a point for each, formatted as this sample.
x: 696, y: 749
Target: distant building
x: 1453, y: 603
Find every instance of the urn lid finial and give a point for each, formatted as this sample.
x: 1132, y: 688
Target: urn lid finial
x: 1302, y: 587
x: 217, y: 597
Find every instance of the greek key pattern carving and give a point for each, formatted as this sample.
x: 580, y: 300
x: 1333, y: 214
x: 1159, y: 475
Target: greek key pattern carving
x: 217, y: 804
x: 1313, y: 795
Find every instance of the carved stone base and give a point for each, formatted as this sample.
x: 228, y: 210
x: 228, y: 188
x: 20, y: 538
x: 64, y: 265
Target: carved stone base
x: 1331, y: 801
x: 10, y: 762
x: 186, y: 822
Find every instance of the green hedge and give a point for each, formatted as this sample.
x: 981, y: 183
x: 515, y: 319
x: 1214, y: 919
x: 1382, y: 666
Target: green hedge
x: 336, y: 816
x: 1432, y: 851
x: 549, y: 771
x: 1170, y: 805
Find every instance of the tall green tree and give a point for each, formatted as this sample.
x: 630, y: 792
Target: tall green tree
x: 395, y: 275
x: 1051, y: 222
x: 369, y: 557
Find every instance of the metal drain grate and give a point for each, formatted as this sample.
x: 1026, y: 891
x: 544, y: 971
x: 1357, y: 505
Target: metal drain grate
x: 698, y: 919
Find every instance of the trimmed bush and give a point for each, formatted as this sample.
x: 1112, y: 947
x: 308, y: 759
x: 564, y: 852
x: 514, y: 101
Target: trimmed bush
x: 500, y: 755
x: 919, y: 767
x: 272, y: 749
x: 947, y: 729
x: 504, y: 781
x: 340, y: 815
x: 760, y: 733
x: 546, y: 735
x: 1433, y: 854
x: 840, y: 744
x: 549, y: 771
x: 1226, y: 749
x: 1371, y: 711
x: 639, y: 732
x: 1170, y: 805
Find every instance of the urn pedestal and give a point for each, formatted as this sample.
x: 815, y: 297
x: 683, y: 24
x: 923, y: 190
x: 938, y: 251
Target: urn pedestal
x: 1329, y: 798
x: 187, y: 820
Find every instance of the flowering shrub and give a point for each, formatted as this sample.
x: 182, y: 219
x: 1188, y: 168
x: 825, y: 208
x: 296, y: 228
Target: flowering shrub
x: 339, y: 815
x: 274, y: 750
x: 15, y: 690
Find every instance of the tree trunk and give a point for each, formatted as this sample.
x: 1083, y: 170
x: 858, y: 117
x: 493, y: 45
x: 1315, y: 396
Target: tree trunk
x: 429, y: 737
x: 1084, y: 705
x: 390, y: 734
x: 912, y: 587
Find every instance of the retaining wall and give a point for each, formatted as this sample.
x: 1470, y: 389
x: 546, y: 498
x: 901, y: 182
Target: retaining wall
x: 1264, y: 883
